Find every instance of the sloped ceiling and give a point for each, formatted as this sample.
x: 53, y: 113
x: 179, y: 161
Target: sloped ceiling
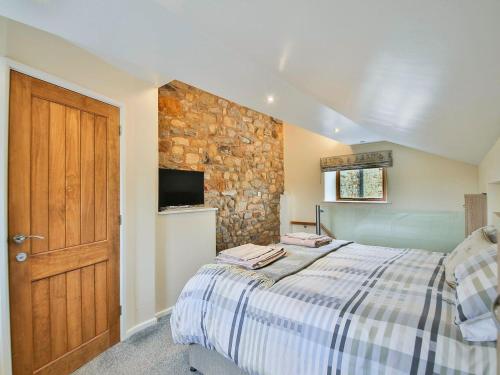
x: 424, y: 74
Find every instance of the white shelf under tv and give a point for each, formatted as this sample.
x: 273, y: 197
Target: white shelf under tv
x: 185, y: 210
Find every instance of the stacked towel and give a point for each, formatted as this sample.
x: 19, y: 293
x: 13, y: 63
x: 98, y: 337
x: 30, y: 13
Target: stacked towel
x: 305, y: 239
x: 251, y: 256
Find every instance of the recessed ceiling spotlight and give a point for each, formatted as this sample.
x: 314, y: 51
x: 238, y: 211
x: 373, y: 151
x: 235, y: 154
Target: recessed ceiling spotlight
x: 336, y: 130
x: 270, y: 99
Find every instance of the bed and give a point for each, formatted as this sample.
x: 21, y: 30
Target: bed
x: 355, y: 310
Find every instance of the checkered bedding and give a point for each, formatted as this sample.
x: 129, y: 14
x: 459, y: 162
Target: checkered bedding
x: 359, y: 310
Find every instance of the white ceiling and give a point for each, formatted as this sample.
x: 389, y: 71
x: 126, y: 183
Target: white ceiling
x: 424, y: 74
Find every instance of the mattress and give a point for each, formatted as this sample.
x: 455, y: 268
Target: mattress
x: 358, y: 310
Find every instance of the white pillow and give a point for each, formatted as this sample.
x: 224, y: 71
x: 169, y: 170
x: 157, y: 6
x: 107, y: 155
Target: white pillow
x: 491, y: 233
x: 472, y: 245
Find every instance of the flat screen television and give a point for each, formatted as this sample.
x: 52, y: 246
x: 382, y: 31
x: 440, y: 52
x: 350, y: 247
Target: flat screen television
x: 179, y: 188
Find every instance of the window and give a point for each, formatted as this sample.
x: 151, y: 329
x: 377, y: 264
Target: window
x: 361, y: 185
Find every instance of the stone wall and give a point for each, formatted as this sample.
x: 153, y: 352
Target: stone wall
x: 240, y: 151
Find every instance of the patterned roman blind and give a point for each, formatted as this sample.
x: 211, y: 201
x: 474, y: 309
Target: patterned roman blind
x: 376, y: 159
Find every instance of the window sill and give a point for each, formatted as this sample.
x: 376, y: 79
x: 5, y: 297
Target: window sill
x: 365, y: 202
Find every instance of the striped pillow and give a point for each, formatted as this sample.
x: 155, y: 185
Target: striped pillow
x: 476, y: 285
x: 471, y: 246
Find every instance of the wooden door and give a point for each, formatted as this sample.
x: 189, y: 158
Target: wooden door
x: 475, y: 212
x: 63, y: 186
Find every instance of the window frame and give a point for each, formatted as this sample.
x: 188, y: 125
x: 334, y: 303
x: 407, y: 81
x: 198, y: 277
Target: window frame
x: 384, y: 188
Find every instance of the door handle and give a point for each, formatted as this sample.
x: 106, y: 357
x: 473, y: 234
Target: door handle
x: 20, y: 238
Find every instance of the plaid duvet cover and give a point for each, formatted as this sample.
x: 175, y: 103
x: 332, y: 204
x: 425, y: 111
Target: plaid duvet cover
x: 359, y: 310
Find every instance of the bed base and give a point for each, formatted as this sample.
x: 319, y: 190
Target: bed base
x: 209, y: 362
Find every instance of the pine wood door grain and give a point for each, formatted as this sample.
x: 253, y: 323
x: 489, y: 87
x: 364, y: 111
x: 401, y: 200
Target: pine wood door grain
x: 63, y: 185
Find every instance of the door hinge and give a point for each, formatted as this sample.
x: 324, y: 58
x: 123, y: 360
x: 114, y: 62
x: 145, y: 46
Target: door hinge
x: 119, y: 219
x: 119, y: 130
x: 120, y: 310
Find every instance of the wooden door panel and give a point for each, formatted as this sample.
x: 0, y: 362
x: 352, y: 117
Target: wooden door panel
x: 58, y: 325
x: 74, y: 308
x: 69, y: 310
x: 41, y: 323
x: 65, y: 296
x: 88, y: 177
x: 101, y: 297
x: 53, y: 263
x: 68, y: 98
x: 88, y: 303
x: 40, y: 173
x: 100, y: 173
x: 57, y: 176
x: 73, y: 194
x: 69, y: 362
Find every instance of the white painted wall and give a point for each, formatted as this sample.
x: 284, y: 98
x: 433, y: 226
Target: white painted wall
x: 422, y: 181
x: 417, y: 181
x: 303, y: 182
x: 489, y: 182
x: 489, y: 168
x: 185, y: 240
x: 139, y: 116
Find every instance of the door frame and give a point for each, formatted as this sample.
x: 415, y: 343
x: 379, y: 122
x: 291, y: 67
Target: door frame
x: 6, y: 65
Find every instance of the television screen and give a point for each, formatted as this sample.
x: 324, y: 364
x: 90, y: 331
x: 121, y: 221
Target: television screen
x: 179, y: 188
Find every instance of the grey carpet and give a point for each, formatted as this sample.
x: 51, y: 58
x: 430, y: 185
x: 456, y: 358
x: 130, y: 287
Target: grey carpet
x: 150, y: 351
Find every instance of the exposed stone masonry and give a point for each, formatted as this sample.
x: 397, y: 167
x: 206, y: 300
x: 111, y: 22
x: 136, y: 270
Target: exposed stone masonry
x: 240, y: 151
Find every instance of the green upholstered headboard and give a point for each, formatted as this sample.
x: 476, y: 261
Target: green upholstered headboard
x: 378, y: 225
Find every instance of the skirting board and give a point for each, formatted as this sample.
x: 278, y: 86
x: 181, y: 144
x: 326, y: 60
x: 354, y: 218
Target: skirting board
x: 141, y: 326
x: 149, y: 322
x: 165, y: 312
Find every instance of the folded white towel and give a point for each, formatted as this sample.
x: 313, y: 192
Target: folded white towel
x: 251, y: 256
x: 248, y: 251
x: 301, y: 239
x: 304, y: 235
